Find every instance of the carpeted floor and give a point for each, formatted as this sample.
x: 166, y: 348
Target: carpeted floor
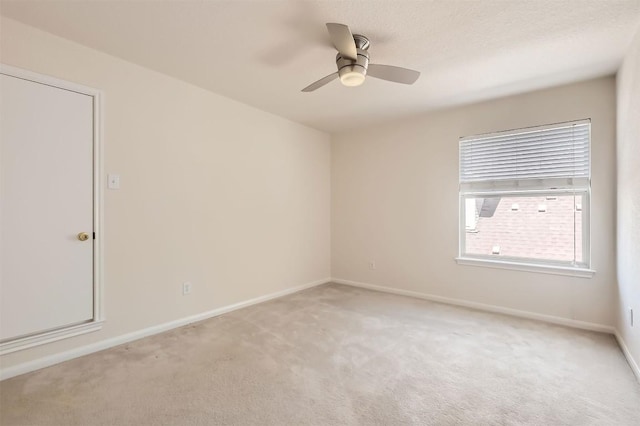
x: 337, y: 355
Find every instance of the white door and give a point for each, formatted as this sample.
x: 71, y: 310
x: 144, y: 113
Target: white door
x: 46, y: 200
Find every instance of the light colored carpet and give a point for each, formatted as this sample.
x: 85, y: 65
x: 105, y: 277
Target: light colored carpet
x: 336, y: 355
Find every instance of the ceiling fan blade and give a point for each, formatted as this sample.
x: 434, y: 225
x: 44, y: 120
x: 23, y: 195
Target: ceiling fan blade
x: 318, y: 84
x: 342, y: 40
x: 391, y: 73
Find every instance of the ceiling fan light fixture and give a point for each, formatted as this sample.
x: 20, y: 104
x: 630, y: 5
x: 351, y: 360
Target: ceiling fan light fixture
x: 352, y: 78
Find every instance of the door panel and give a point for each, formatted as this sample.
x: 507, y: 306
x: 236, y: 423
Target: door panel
x: 46, y: 199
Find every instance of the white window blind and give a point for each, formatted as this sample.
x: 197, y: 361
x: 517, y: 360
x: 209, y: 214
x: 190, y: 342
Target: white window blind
x: 544, y: 154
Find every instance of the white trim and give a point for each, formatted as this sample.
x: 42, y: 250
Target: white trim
x: 98, y: 208
x: 98, y: 214
x: 527, y: 267
x: 49, y: 336
x: 483, y: 307
x: 627, y: 354
x: 48, y: 80
x: 47, y: 361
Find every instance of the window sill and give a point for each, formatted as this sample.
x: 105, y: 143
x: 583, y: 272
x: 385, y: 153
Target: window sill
x: 48, y: 337
x: 527, y: 267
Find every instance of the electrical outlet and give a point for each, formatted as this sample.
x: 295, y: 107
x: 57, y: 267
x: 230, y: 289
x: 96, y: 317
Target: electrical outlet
x: 113, y: 181
x: 186, y: 288
x: 372, y: 265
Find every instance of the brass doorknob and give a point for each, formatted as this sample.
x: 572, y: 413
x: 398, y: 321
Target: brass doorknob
x: 83, y: 236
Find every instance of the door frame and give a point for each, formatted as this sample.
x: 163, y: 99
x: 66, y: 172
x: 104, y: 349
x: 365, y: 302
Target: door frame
x: 98, y: 319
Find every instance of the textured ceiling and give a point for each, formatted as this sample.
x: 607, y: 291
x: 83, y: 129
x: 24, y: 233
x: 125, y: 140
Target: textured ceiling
x: 263, y: 53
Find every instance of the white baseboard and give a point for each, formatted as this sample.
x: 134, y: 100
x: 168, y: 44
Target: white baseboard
x: 483, y: 307
x: 47, y: 361
x: 627, y: 354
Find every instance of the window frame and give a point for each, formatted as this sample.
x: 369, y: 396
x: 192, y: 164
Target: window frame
x: 516, y: 188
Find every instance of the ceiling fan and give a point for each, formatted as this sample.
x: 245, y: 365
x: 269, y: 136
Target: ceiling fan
x: 353, y: 62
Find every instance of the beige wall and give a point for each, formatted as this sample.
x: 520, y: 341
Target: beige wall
x: 214, y: 192
x: 629, y: 198
x: 395, y: 202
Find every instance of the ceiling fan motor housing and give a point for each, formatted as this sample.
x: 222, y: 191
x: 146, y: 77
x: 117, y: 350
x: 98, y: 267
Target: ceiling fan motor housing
x: 347, y: 66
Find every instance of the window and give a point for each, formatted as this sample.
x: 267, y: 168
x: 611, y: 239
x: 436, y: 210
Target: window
x: 524, y: 199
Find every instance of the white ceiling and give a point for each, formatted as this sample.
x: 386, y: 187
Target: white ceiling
x: 263, y: 53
